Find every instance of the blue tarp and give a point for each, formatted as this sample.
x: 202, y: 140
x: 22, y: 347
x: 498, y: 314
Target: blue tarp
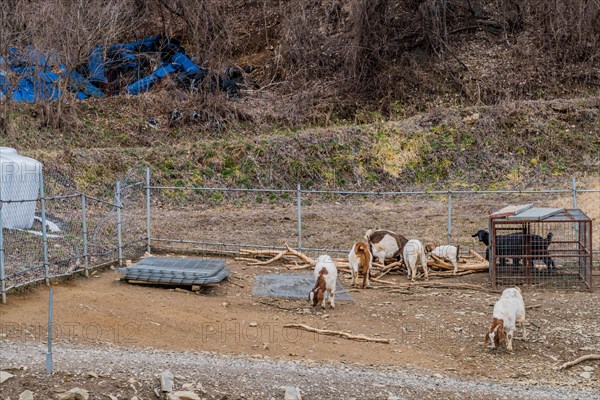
x: 30, y: 75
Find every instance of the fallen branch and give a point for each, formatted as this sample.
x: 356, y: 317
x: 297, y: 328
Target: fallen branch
x: 450, y: 274
x: 441, y: 285
x: 580, y: 360
x: 360, y: 338
x: 477, y: 255
x: 377, y: 280
x: 298, y: 267
x: 275, y: 255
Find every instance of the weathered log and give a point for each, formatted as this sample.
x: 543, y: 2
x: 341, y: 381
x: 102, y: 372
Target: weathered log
x: 580, y: 360
x: 360, y: 338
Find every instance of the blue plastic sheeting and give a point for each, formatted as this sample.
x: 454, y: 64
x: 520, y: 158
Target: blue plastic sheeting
x: 30, y: 75
x: 146, y: 83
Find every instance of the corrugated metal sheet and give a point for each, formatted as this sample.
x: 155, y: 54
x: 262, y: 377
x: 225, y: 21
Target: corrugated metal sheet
x: 176, y: 271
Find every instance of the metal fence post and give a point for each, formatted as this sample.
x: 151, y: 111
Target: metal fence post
x: 574, y: 189
x: 148, y: 208
x: 86, y: 260
x: 2, y: 274
x: 449, y: 217
x: 119, y: 238
x: 44, y: 235
x: 49, y: 352
x: 299, y: 200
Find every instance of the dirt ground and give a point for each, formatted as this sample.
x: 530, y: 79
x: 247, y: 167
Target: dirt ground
x: 437, y: 330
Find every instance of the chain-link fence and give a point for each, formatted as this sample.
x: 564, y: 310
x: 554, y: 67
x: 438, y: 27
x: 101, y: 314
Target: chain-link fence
x: 48, y: 230
x: 205, y: 219
x: 51, y: 230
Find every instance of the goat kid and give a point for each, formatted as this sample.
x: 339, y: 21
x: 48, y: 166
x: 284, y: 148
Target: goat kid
x: 385, y: 244
x: 447, y: 251
x: 508, y: 311
x: 326, y: 277
x: 413, y: 254
x: 360, y: 256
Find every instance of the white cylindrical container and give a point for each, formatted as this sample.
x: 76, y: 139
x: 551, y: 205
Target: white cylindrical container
x: 19, y: 188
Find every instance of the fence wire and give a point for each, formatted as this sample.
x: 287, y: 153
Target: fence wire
x: 84, y: 231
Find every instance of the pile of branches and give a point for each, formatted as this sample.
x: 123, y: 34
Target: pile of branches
x: 295, y: 260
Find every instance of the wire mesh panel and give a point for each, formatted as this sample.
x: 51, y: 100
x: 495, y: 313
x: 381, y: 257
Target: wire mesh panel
x: 221, y: 220
x: 64, y: 235
x: 554, y: 252
x: 23, y: 251
x: 337, y: 221
x: 470, y: 211
x: 132, y: 198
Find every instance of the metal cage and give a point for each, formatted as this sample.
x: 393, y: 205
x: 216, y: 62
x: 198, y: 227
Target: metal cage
x: 554, y: 252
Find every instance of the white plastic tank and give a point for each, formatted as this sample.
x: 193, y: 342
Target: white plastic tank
x: 19, y: 180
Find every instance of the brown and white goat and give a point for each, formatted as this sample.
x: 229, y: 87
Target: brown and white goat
x: 360, y: 256
x: 385, y: 244
x: 326, y: 277
x: 508, y: 310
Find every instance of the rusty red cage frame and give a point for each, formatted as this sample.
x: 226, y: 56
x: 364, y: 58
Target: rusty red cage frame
x: 555, y: 252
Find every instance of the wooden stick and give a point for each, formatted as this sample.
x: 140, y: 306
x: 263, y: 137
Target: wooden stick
x: 298, y: 267
x: 580, y: 360
x: 360, y: 338
x: 450, y: 274
x: 477, y: 255
x: 269, y: 261
x: 382, y: 281
x: 301, y: 256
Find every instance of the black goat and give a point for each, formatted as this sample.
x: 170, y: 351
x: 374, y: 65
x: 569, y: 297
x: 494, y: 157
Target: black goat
x: 514, y: 244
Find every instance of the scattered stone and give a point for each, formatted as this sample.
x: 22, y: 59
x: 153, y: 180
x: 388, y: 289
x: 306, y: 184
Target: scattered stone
x: 26, y: 395
x: 74, y: 394
x: 166, y: 381
x: 135, y: 398
x: 586, y: 375
x: 393, y: 398
x: 292, y: 393
x: 113, y: 397
x: 253, y: 324
x: 186, y: 395
x: 587, y: 368
x: 92, y: 375
x: 171, y: 396
x: 4, y: 376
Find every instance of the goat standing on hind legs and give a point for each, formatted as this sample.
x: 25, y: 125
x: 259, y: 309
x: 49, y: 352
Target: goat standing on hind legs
x: 360, y: 256
x: 326, y: 277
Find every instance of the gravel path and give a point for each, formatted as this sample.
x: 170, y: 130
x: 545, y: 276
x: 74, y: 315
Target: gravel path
x: 232, y: 377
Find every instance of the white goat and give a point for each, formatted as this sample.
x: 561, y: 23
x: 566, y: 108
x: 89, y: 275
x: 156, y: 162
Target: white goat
x: 414, y: 253
x: 508, y: 310
x: 385, y: 244
x: 360, y: 256
x: 326, y: 277
x: 447, y: 251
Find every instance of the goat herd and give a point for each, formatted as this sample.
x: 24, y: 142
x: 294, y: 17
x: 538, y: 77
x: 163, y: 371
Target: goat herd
x: 384, y: 244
